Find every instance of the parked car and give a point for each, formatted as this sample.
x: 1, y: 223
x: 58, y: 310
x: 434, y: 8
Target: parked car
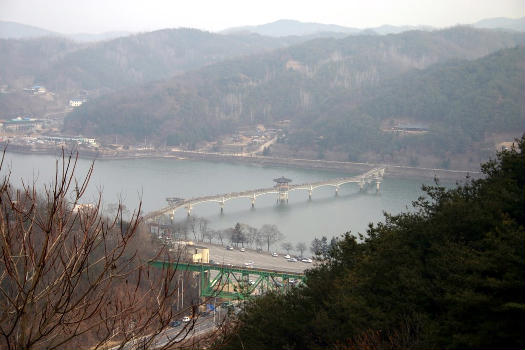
x: 229, y: 247
x: 307, y: 260
x: 248, y: 263
x: 186, y: 319
x: 242, y: 249
x: 287, y: 256
x: 175, y: 323
x: 274, y: 254
x: 292, y: 260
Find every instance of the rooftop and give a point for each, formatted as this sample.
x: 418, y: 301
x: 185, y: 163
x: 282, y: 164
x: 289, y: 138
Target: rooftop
x: 282, y: 180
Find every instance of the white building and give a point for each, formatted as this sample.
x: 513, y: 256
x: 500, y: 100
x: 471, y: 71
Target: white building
x: 76, y: 102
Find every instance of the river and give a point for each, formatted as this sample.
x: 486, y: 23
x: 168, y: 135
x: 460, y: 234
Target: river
x: 152, y: 180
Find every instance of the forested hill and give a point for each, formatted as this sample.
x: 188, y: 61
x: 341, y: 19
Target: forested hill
x: 62, y: 65
x: 296, y: 83
x: 446, y: 275
x: 460, y: 102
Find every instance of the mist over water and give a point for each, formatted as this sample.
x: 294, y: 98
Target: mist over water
x: 152, y: 180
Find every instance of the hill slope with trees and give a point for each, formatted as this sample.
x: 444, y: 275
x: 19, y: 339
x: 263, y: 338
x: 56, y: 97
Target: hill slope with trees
x: 323, y: 86
x: 459, y: 102
x: 62, y: 65
x: 448, y: 275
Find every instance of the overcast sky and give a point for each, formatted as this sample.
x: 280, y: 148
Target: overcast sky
x: 94, y: 16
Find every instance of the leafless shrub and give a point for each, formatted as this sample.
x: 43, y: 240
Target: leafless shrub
x: 72, y: 278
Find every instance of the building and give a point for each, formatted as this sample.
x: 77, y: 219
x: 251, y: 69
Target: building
x: 191, y: 252
x: 35, y: 89
x: 85, y: 208
x: 76, y: 102
x: 64, y: 140
x: 22, y: 124
x: 198, y: 254
x: 410, y: 128
x: 283, y: 185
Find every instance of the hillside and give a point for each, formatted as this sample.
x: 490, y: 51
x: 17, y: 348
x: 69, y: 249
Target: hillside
x: 13, y: 30
x: 62, y: 65
x: 23, y: 61
x: 288, y: 27
x: 517, y: 24
x: 459, y: 102
x: 447, y: 274
x: 296, y: 83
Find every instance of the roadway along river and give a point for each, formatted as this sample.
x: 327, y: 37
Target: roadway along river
x: 300, y: 220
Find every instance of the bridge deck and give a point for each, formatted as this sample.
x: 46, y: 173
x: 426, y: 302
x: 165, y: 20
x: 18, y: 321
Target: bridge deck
x: 200, y: 267
x: 375, y: 174
x: 233, y: 282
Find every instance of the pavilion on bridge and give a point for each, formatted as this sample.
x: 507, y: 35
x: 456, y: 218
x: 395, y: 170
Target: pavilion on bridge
x: 283, y: 185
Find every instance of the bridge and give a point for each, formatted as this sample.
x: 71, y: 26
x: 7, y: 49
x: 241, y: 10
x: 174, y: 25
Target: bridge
x: 282, y: 188
x: 234, y: 282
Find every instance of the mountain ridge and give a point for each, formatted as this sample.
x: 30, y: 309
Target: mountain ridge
x: 295, y: 83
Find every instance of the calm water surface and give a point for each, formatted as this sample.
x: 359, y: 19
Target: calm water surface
x: 152, y: 180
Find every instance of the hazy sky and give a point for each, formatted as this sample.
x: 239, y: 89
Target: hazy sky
x: 70, y: 16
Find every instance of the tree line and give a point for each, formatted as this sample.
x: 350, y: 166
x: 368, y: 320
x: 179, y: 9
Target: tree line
x: 243, y: 235
x: 73, y: 277
x: 197, y: 229
x: 447, y: 275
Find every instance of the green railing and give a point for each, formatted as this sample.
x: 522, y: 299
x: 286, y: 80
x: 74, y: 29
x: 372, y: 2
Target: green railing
x: 234, y: 282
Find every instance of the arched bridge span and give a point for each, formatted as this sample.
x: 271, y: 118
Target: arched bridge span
x: 282, y: 190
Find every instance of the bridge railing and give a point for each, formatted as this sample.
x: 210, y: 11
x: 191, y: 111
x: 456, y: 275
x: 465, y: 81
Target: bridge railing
x: 375, y: 174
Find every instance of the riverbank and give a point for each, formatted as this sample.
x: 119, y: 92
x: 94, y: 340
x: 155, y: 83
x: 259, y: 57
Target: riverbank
x: 392, y: 170
x: 148, y: 181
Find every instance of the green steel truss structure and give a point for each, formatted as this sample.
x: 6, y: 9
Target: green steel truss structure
x: 233, y: 282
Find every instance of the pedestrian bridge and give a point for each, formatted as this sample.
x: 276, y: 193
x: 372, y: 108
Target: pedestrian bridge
x: 282, y: 189
x: 235, y: 282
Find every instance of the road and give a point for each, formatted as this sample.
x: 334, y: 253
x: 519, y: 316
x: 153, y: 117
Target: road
x: 183, y: 335
x: 263, y: 260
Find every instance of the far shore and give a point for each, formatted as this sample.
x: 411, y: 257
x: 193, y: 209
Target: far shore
x: 392, y: 170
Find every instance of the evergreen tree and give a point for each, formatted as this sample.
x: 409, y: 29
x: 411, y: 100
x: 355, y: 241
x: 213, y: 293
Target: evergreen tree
x: 447, y: 275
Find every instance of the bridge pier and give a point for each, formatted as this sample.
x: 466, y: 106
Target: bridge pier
x: 282, y: 189
x: 283, y: 197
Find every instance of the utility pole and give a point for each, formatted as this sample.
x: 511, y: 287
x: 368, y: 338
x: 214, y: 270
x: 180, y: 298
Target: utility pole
x: 214, y: 309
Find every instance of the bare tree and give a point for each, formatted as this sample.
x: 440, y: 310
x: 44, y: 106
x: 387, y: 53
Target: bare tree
x: 70, y: 277
x: 210, y: 235
x: 300, y: 247
x: 181, y: 230
x: 255, y: 237
x: 270, y: 234
x: 249, y: 234
x: 192, y: 224
x: 287, y: 246
x: 221, y: 234
x: 203, y: 228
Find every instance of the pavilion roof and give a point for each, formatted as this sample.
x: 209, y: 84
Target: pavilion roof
x: 282, y: 180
